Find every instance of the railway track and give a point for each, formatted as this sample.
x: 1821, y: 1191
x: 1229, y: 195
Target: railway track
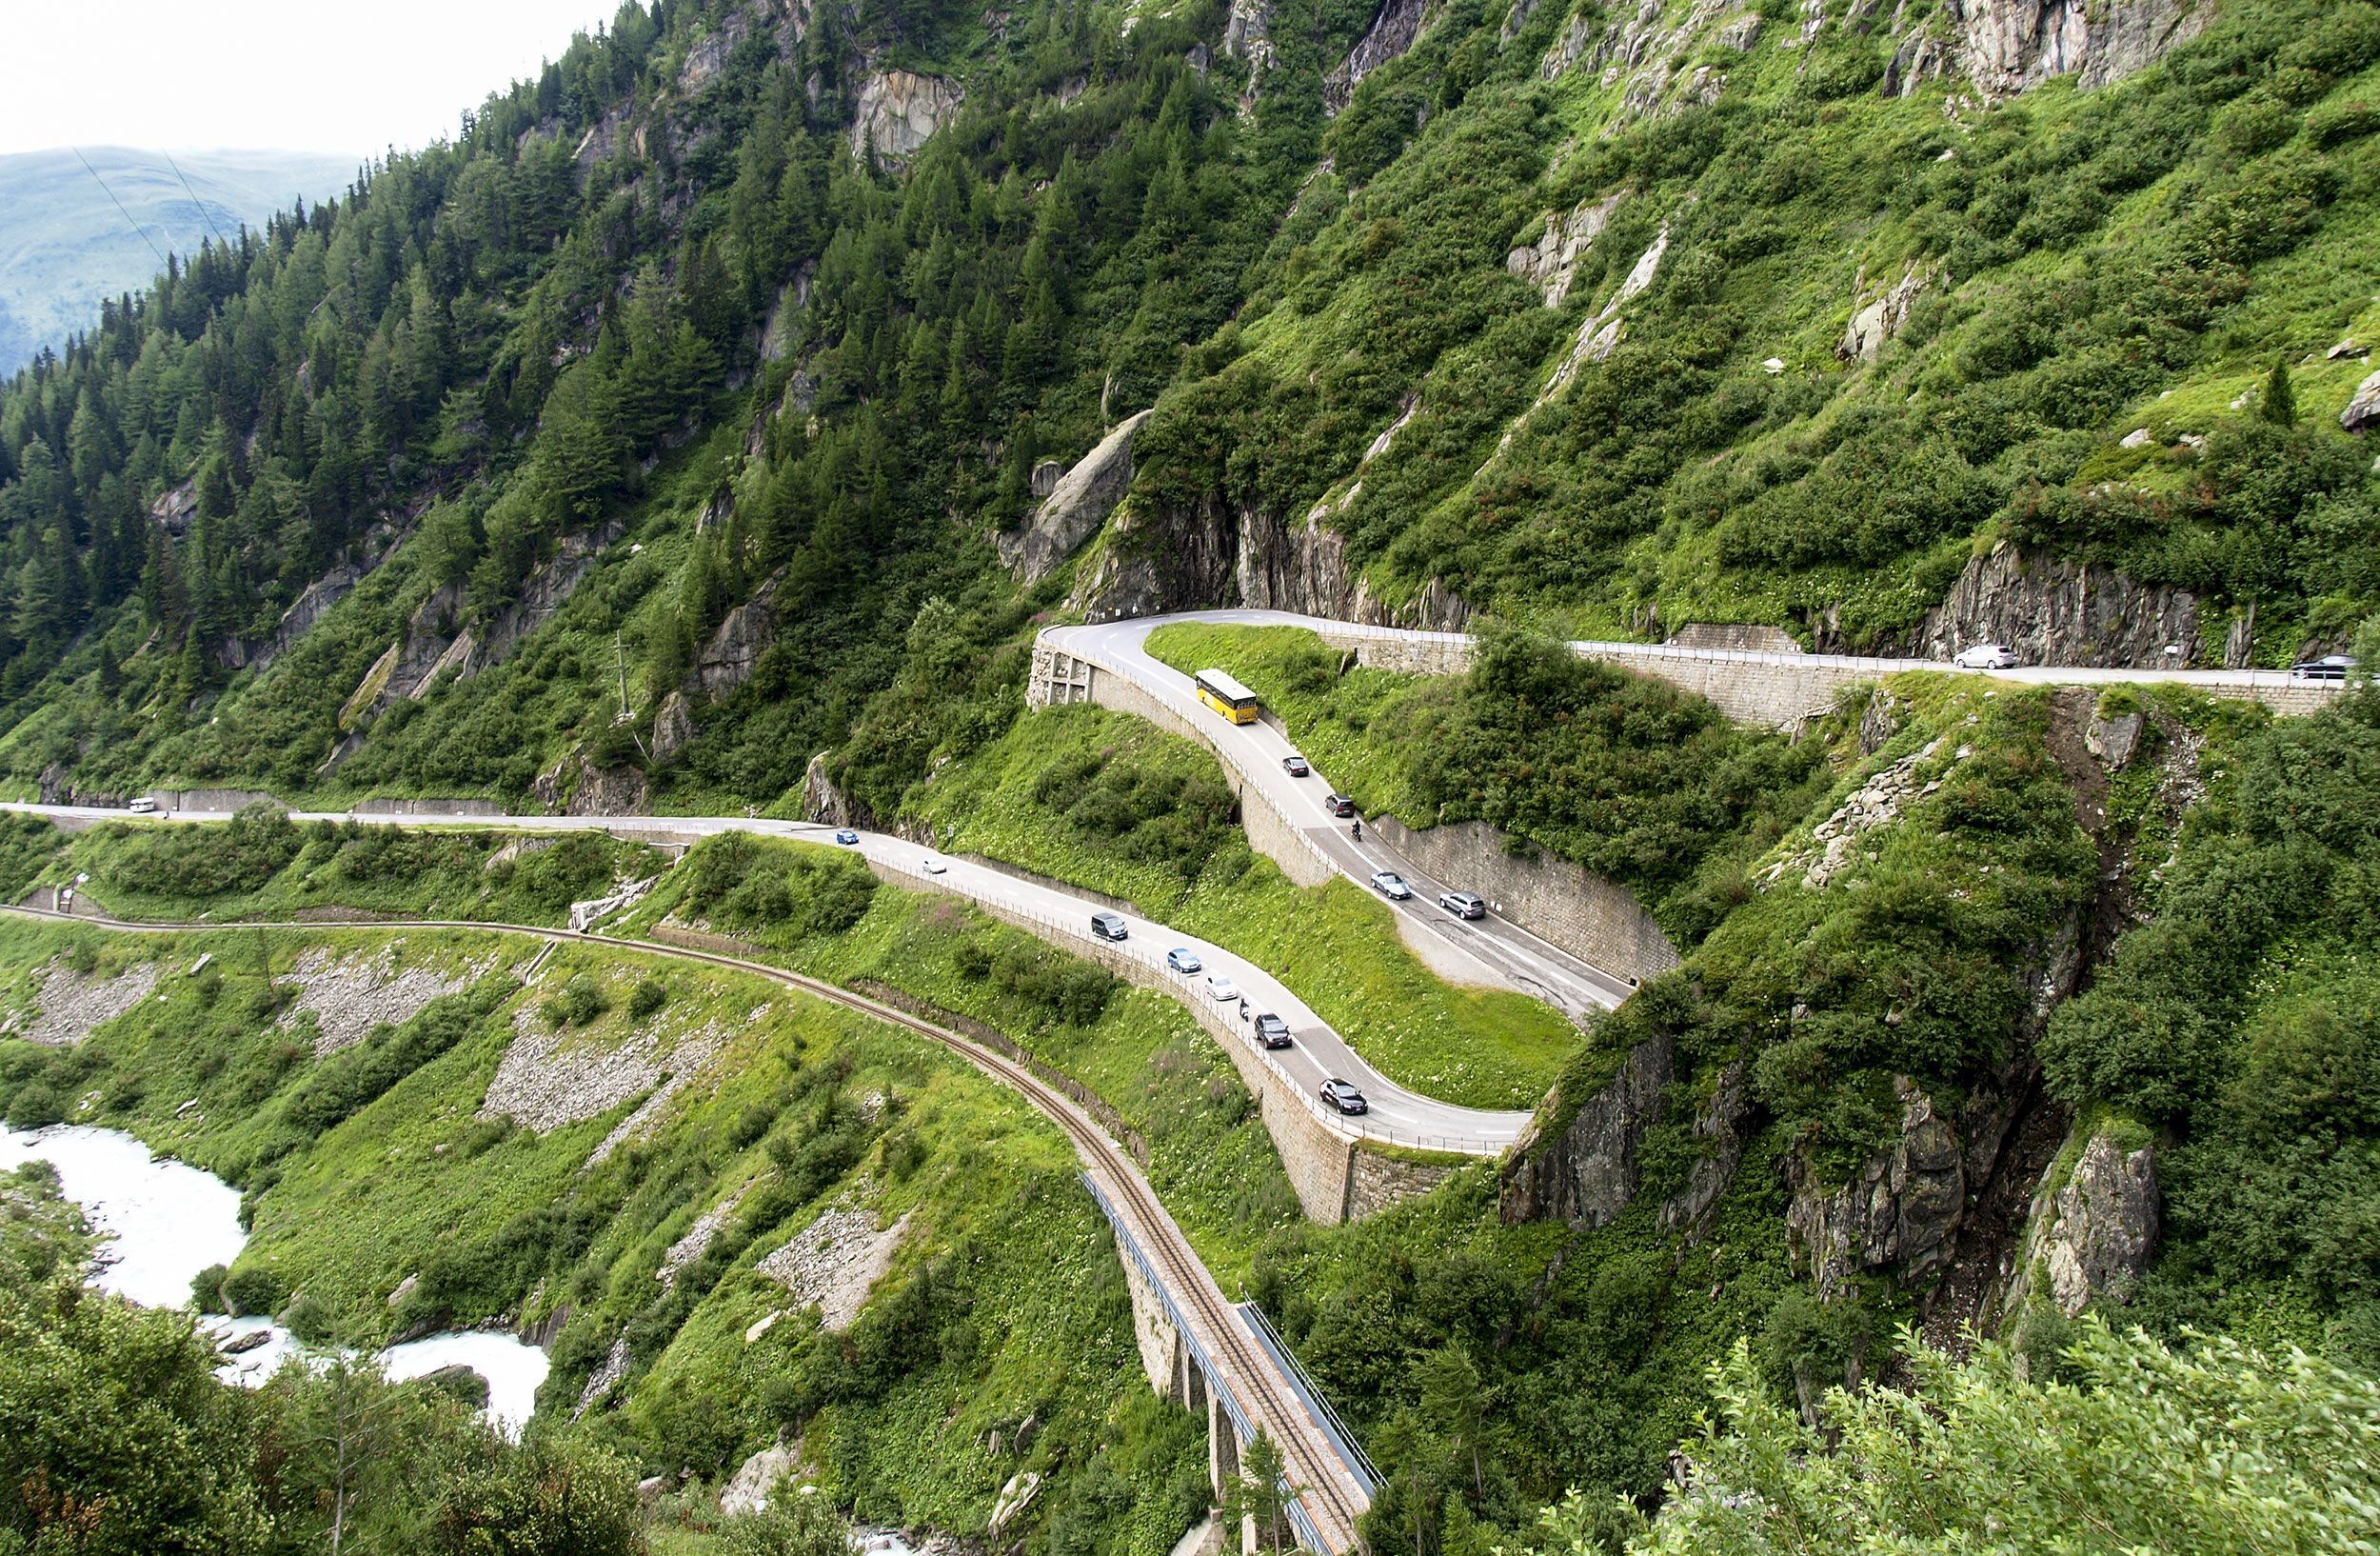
x: 1332, y: 1497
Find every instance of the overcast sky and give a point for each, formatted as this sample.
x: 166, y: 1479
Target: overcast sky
x: 302, y: 75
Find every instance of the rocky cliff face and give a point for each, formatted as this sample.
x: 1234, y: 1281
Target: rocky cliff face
x: 2052, y: 612
x: 1074, y: 505
x: 1392, y: 33
x: 1211, y: 553
x: 1895, y: 1216
x: 2009, y: 46
x: 900, y: 110
x: 1588, y: 1173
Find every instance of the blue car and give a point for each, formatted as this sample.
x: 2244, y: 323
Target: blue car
x: 1182, y: 959
x: 847, y: 835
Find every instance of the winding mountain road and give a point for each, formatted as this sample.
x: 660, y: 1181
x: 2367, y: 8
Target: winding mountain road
x: 1317, y: 1053
x: 1501, y: 951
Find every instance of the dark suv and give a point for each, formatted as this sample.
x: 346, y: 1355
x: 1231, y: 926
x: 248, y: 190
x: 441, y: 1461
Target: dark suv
x: 1339, y: 805
x: 1109, y: 925
x: 1272, y: 1031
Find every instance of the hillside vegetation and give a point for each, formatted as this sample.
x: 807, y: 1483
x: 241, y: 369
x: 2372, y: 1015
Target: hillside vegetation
x: 670, y: 440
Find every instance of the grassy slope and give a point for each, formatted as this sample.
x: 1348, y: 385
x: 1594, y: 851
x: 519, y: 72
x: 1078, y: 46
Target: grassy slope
x: 499, y: 1219
x: 1334, y: 944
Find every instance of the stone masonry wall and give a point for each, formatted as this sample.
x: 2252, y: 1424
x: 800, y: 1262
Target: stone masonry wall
x: 1596, y: 920
x: 1269, y: 832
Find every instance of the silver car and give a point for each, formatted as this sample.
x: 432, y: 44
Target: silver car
x: 1985, y: 656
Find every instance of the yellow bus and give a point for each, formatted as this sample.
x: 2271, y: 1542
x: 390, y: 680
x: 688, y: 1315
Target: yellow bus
x: 1226, y: 697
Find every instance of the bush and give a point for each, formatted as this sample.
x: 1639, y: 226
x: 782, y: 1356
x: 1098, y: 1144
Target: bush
x: 581, y: 1001
x: 35, y: 1105
x: 647, y: 997
x: 252, y: 1289
x: 198, y: 862
x: 207, y: 1289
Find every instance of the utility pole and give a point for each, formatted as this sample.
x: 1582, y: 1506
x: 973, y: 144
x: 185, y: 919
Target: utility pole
x: 620, y: 656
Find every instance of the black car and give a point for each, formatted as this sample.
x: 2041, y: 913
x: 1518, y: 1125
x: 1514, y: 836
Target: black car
x: 1344, y: 1097
x: 1272, y: 1031
x: 1339, y: 805
x: 1294, y: 766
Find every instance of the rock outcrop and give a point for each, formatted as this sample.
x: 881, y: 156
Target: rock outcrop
x: 1719, y: 1132
x: 1896, y: 1214
x: 1211, y: 553
x: 1588, y: 1173
x: 1247, y: 35
x: 1077, y: 502
x: 2010, y: 45
x: 576, y: 787
x: 2056, y: 611
x: 822, y: 798
x: 1881, y: 319
x: 308, y: 608
x: 1552, y: 262
x: 900, y: 110
x: 2090, y: 1238
x: 728, y: 658
x: 2363, y: 409
x: 1392, y: 33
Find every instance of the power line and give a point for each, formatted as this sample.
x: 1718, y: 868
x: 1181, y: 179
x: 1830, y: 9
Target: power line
x: 204, y: 215
x: 119, y: 204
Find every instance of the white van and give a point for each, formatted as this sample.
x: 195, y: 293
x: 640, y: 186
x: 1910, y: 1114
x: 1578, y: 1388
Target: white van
x: 142, y: 807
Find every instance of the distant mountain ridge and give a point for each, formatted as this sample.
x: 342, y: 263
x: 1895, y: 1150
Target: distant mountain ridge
x: 64, y: 246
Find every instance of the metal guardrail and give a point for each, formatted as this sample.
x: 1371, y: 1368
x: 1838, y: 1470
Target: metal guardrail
x: 1309, y: 1535
x: 1342, y: 1436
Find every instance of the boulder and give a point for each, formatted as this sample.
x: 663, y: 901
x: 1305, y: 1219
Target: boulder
x: 2089, y: 1237
x: 240, y: 1344
x: 459, y: 1381
x: 2363, y: 409
x: 748, y: 1489
x: 1079, y: 502
x: 821, y: 800
x: 673, y: 727
x: 2115, y: 741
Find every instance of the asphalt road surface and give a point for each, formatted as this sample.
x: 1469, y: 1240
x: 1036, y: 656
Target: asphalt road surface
x: 1315, y: 1052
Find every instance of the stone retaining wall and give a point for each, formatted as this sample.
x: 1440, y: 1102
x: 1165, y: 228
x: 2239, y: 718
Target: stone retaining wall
x: 1596, y: 920
x: 1270, y: 832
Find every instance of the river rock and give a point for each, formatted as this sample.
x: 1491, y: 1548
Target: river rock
x: 459, y: 1381
x: 240, y: 1344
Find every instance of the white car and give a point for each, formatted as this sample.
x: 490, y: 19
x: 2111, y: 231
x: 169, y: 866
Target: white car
x: 143, y: 806
x: 934, y: 866
x: 1985, y: 656
x: 1221, y: 988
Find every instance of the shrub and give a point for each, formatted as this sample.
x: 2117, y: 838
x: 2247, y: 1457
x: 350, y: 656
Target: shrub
x: 647, y: 997
x: 581, y: 1001
x: 252, y: 1288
